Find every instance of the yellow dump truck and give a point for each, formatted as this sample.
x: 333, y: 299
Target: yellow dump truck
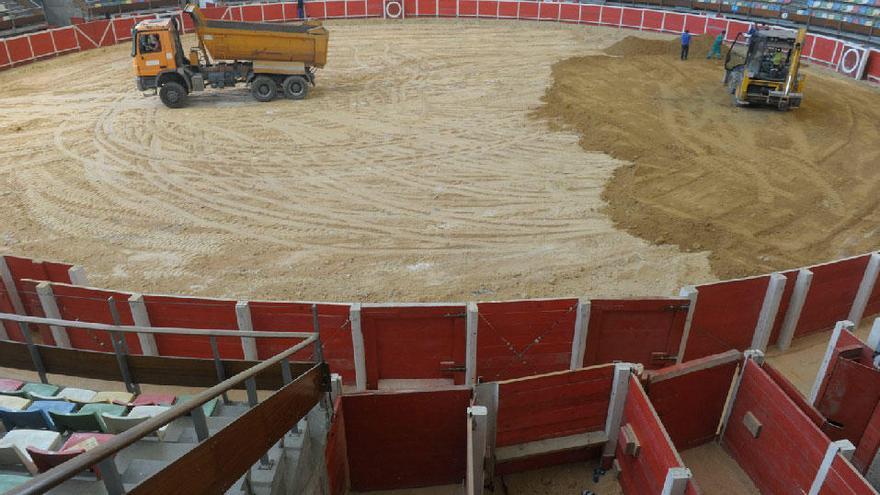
x: 271, y: 58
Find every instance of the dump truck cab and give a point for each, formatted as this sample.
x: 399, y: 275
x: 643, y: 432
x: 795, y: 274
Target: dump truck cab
x: 763, y: 69
x: 157, y: 54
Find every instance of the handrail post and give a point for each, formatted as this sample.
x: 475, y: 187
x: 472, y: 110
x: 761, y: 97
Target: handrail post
x: 218, y: 365
x: 120, y: 348
x: 34, y: 352
x: 110, y: 476
x: 316, y: 328
x: 286, y: 378
x: 251, y: 385
x: 200, y: 423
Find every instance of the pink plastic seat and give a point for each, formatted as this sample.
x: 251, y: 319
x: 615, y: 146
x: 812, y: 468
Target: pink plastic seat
x: 9, y: 385
x: 77, y: 438
x: 154, y: 400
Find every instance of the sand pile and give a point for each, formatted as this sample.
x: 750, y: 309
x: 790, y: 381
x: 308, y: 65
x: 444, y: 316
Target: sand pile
x: 761, y: 189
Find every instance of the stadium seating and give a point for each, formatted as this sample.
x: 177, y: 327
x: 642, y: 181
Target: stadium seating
x: 105, y: 8
x: 18, y: 16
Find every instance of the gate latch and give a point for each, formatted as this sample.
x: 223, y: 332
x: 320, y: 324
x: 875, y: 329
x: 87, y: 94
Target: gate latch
x: 452, y: 367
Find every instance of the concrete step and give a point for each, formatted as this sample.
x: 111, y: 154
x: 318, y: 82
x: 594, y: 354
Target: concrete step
x: 233, y: 409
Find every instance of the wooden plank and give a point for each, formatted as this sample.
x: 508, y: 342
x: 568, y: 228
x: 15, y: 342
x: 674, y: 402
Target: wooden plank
x: 218, y: 462
x: 188, y: 372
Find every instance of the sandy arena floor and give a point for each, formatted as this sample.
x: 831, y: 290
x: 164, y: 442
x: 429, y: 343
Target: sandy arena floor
x: 413, y: 172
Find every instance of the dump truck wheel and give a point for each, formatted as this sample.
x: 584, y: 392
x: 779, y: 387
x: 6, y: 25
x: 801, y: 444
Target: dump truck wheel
x: 296, y: 87
x: 172, y: 94
x: 264, y: 88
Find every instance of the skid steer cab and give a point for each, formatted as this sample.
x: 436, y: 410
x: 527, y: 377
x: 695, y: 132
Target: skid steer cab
x: 763, y: 69
x: 272, y: 58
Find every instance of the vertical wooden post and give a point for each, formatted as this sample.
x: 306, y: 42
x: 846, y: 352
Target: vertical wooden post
x: 767, y: 316
x: 756, y: 356
x: 470, y: 363
x: 676, y: 482
x: 691, y: 293
x: 142, y: 319
x: 619, y: 390
x: 245, y: 324
x: 795, y: 307
x: 357, y: 342
x: 581, y: 329
x: 874, y: 337
x: 476, y: 449
x: 486, y: 395
x: 50, y: 308
x: 822, y: 473
x: 866, y: 288
x: 11, y: 289
x: 77, y: 275
x: 826, y: 360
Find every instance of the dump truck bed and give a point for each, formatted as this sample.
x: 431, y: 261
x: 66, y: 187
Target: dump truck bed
x: 262, y: 41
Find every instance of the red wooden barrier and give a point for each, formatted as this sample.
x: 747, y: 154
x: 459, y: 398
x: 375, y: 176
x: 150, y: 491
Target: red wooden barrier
x: 413, y: 342
x: 725, y: 316
x: 690, y: 397
x: 553, y: 405
x: 831, y: 294
x: 646, y: 472
x: 406, y: 439
x: 794, y: 394
x: 335, y: 331
x: 335, y: 453
x: 868, y: 445
x: 77, y: 303
x: 843, y: 479
x: 786, y: 455
x: 523, y: 338
x: 186, y: 312
x: 646, y: 331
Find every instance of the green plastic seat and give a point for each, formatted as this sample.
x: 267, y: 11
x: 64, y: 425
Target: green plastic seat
x: 209, y: 407
x: 10, y: 481
x: 29, y: 389
x: 99, y: 408
x: 76, y: 422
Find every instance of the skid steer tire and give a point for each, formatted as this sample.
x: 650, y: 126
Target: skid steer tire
x: 264, y: 88
x: 296, y: 87
x: 173, y: 94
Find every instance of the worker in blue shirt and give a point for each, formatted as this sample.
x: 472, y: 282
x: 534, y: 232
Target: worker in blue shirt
x: 685, y: 44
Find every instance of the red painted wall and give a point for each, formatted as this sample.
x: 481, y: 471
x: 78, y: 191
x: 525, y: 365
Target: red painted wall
x: 406, y: 439
x: 725, y: 316
x: 186, y: 312
x: 408, y: 342
x: 553, y: 405
x: 787, y: 453
x: 831, y: 294
x: 523, y: 338
x: 690, y: 397
x: 635, y: 330
x: 335, y: 453
x: 843, y: 479
x: 645, y: 473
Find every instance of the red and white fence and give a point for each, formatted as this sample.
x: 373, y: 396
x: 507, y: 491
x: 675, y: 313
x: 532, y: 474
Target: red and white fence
x: 848, y: 58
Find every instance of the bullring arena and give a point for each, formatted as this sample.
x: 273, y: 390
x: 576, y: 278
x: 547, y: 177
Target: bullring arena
x: 550, y: 256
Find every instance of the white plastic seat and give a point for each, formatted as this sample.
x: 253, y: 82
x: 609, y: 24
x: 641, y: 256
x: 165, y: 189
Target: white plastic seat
x: 13, y: 403
x: 13, y: 446
x: 77, y: 394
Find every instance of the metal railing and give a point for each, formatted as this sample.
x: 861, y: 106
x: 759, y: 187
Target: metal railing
x: 102, y: 455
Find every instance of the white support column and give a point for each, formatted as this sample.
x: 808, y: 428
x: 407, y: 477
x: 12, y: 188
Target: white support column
x: 357, y: 342
x: 691, y: 293
x: 11, y: 289
x: 874, y: 337
x: 826, y: 360
x: 846, y: 448
x: 866, y: 288
x: 769, y: 309
x: 754, y: 355
x: 335, y: 386
x: 77, y: 275
x: 619, y: 389
x: 50, y: 309
x: 476, y: 452
x: 470, y: 363
x: 142, y: 319
x: 676, y: 482
x: 581, y: 327
x: 822, y: 473
x: 486, y: 395
x: 245, y: 324
x: 795, y: 307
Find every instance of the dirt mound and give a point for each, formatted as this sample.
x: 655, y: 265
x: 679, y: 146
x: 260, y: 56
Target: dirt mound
x: 760, y: 189
x: 633, y: 46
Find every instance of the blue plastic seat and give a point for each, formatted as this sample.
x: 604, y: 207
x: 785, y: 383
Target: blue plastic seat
x: 36, y: 416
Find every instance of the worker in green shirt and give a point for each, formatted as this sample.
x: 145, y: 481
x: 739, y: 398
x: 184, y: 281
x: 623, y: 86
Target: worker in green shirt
x: 716, y: 46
